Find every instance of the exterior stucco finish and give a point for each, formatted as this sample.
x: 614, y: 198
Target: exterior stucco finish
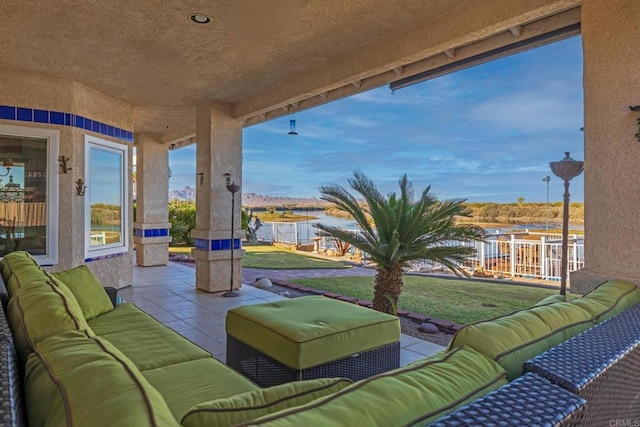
x: 610, y: 32
x: 32, y: 91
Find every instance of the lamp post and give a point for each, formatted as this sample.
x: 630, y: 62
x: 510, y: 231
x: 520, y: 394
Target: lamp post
x: 547, y: 179
x: 566, y: 169
x: 232, y: 188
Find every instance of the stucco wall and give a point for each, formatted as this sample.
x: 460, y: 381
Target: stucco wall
x: 610, y: 32
x: 38, y: 92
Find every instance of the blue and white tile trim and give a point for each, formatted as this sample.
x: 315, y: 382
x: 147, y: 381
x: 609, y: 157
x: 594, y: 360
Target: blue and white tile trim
x: 22, y: 114
x: 97, y: 258
x: 156, y: 232
x: 217, y: 245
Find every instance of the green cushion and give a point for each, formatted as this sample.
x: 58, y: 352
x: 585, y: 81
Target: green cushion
x: 186, y: 384
x: 609, y: 299
x: 309, y: 331
x: 20, y: 269
x: 146, y: 342
x: 255, y: 404
x: 513, y: 339
x: 75, y: 380
x: 420, y: 393
x: 90, y: 294
x: 40, y: 310
x: 552, y: 299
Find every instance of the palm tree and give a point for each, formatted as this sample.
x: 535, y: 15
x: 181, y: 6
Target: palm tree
x: 397, y: 229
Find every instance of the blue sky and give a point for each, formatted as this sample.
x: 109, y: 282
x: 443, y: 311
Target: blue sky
x: 486, y: 133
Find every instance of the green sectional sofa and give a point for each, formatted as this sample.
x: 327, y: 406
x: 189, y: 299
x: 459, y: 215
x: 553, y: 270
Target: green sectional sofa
x: 71, y: 356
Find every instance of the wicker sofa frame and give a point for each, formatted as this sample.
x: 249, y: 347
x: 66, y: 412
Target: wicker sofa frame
x: 12, y: 406
x: 592, y: 378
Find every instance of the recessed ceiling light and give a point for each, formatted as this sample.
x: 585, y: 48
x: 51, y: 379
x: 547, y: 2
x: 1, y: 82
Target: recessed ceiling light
x: 200, y: 18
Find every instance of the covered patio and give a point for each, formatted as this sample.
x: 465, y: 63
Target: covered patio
x: 86, y: 82
x: 166, y: 293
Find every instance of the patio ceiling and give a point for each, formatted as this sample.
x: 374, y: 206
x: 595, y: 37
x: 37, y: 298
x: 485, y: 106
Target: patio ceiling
x: 267, y: 58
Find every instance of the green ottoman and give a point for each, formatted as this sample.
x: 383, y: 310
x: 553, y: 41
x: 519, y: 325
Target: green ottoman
x: 310, y: 337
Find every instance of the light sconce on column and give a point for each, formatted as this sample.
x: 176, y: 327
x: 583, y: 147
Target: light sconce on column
x: 636, y: 108
x: 201, y: 175
x: 80, y: 187
x: 63, y: 164
x: 8, y: 164
x: 169, y: 172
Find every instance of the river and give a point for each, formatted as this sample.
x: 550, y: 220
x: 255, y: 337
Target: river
x: 349, y: 223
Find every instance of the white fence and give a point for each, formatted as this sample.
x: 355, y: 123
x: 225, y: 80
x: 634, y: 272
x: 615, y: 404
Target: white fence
x: 527, y: 255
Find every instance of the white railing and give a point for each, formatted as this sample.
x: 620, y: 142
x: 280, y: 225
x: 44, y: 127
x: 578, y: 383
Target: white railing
x: 527, y: 255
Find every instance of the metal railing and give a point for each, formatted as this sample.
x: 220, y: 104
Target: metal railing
x: 527, y: 255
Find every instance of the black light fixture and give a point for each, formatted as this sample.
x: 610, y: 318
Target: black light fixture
x: 292, y: 126
x: 8, y: 164
x: 232, y: 188
x: 566, y: 169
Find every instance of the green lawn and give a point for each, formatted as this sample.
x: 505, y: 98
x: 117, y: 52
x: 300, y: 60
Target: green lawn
x: 272, y: 257
x: 460, y: 301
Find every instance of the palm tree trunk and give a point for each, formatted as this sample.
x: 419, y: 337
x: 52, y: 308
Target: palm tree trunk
x: 388, y: 284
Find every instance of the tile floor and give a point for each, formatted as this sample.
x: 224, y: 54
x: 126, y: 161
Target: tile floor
x: 168, y: 293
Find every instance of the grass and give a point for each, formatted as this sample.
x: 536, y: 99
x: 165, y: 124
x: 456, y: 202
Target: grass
x: 275, y: 258
x: 461, y: 301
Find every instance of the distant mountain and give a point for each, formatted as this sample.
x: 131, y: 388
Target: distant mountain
x: 253, y: 200
x: 186, y: 194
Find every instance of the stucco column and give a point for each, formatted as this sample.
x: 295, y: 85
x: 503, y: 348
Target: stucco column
x: 219, y: 151
x: 151, y: 229
x: 610, y: 32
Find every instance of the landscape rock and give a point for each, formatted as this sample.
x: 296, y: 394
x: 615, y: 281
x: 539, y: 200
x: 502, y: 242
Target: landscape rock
x: 182, y: 258
x: 263, y: 283
x: 428, y: 328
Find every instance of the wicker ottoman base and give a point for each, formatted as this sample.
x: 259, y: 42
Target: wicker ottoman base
x: 266, y: 372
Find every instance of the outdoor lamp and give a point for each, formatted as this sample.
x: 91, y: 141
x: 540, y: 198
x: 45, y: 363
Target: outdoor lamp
x: 566, y: 169
x: 8, y: 164
x: 292, y: 127
x: 232, y: 188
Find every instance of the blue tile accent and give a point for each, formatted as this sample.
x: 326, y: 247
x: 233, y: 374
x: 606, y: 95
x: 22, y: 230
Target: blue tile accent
x: 56, y: 118
x: 7, y: 112
x: 137, y: 232
x: 217, y: 244
x: 10, y: 112
x: 41, y: 116
x: 105, y: 257
x: 201, y: 244
x: 25, y: 114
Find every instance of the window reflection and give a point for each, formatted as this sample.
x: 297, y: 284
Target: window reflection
x: 23, y: 194
x: 106, y: 197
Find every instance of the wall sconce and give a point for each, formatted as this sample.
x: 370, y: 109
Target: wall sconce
x: 636, y: 108
x: 80, y: 187
x: 169, y: 172
x: 201, y: 175
x: 8, y: 163
x: 63, y: 164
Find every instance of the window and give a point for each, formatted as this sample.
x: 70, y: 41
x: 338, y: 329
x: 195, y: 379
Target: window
x: 106, y: 198
x: 29, y: 192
